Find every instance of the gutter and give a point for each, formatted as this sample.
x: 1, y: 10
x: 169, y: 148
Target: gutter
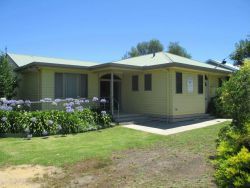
x: 117, y: 65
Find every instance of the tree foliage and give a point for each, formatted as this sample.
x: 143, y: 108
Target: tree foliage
x: 175, y: 48
x: 233, y: 150
x: 235, y: 96
x: 144, y: 48
x: 242, y: 51
x: 8, y: 81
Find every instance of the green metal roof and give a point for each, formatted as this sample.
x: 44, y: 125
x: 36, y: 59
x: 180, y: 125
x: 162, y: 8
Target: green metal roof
x: 150, y: 61
x: 23, y: 60
x: 162, y: 58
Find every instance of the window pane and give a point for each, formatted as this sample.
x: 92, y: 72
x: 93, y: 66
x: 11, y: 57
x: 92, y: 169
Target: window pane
x: 71, y: 85
x: 178, y: 82
x: 147, y: 82
x: 58, y: 85
x: 200, y: 84
x: 135, y: 84
x: 83, y: 85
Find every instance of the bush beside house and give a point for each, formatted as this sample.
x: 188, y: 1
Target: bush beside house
x: 233, y: 150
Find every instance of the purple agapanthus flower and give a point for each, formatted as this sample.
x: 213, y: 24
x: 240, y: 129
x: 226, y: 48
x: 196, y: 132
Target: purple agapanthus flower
x: 45, y: 133
x: 27, y: 102
x: 50, y: 122
x: 12, y: 102
x: 103, y: 112
x: 20, y: 102
x: 59, y: 127
x: 27, y: 130
x: 4, y: 119
x: 81, y: 100
x: 3, y: 99
x: 86, y: 101
x: 33, y: 119
x: 77, y: 102
x: 29, y: 136
x: 47, y: 99
x: 70, y: 110
x: 95, y: 99
x: 103, y: 101
x: 79, y: 108
x: 54, y: 103
x: 6, y: 107
x: 69, y: 99
x: 58, y: 100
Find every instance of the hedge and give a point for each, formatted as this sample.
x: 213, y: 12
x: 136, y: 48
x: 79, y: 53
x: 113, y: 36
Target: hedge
x: 42, y: 123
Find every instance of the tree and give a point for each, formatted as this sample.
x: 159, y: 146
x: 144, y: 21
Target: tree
x: 232, y: 160
x: 175, y: 48
x: 242, y: 51
x: 234, y: 96
x: 144, y: 48
x: 8, y: 81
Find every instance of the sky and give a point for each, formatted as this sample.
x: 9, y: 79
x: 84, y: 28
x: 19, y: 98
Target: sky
x: 102, y: 31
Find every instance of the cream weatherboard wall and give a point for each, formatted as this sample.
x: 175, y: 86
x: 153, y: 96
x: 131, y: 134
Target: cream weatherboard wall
x: 153, y: 102
x: 187, y: 103
x: 161, y: 100
x: 28, y: 88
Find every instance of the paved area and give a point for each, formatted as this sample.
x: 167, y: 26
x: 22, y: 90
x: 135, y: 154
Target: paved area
x: 173, y: 128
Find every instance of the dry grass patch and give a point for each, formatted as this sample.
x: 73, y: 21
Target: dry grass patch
x: 24, y: 175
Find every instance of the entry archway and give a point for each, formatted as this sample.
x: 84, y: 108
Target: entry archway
x: 106, y: 89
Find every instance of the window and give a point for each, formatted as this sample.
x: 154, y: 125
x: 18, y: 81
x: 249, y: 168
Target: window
x: 135, y: 84
x: 147, y: 82
x: 178, y: 82
x: 200, y: 84
x: 71, y: 85
x: 58, y: 85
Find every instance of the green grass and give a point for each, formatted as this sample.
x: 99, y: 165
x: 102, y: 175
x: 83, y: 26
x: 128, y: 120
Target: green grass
x: 59, y: 151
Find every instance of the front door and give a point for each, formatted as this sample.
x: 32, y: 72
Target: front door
x: 105, y: 92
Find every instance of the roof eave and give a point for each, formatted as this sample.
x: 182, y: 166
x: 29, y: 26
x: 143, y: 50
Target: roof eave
x: 50, y: 65
x: 131, y: 67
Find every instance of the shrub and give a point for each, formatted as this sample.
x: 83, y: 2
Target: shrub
x: 41, y: 123
x: 233, y: 145
x: 234, y: 170
x: 233, y: 157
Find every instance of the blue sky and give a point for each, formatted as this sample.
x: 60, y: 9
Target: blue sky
x: 103, y: 31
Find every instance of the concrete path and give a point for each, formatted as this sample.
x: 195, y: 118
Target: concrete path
x: 173, y: 128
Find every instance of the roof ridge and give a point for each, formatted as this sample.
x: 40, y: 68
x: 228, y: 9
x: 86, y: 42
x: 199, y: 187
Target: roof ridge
x: 186, y: 58
x: 165, y: 53
x: 137, y: 56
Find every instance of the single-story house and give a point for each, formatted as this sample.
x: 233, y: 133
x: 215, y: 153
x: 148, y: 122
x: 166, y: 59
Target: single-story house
x: 159, y: 84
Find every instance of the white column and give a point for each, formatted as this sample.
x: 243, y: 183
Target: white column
x: 112, y: 93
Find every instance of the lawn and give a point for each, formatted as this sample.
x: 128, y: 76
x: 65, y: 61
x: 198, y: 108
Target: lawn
x: 129, y: 153
x: 60, y: 150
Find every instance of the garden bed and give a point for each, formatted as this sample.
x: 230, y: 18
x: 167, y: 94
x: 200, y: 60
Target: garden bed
x: 16, y: 118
